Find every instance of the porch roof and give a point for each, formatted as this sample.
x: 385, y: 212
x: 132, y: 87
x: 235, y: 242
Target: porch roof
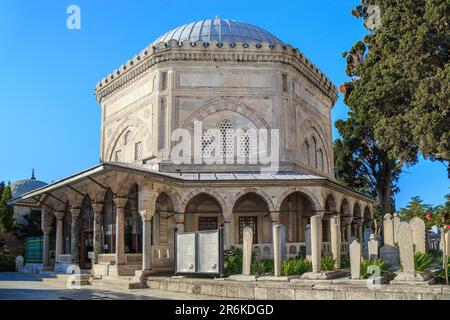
x: 29, y: 199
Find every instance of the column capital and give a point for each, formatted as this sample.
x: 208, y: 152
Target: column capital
x: 75, y: 212
x: 179, y: 218
x: 98, y: 207
x: 46, y: 230
x: 274, y: 216
x: 59, y: 215
x: 147, y: 214
x: 120, y: 202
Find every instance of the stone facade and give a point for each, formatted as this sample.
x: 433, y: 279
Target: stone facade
x: 121, y: 215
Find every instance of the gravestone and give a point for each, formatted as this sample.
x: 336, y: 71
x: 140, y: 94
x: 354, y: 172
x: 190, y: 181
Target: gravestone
x: 373, y: 248
x: 389, y: 252
x: 405, y: 243
x: 335, y: 230
x: 396, y: 224
x: 247, y: 248
x: 316, y: 243
x: 367, y: 233
x: 19, y: 263
x: 308, y: 241
x: 355, y: 259
x: 418, y: 234
x: 388, y: 230
x: 277, y: 236
x: 406, y: 248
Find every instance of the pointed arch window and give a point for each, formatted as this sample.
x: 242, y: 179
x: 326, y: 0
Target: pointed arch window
x: 138, y: 151
x: 320, y: 163
x: 118, y: 156
x: 306, y: 152
x: 127, y: 138
x: 226, y: 142
x: 313, y: 152
x: 245, y: 143
x: 206, y: 144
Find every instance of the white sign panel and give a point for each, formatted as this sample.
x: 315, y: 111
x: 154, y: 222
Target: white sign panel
x: 186, y: 253
x: 208, y: 251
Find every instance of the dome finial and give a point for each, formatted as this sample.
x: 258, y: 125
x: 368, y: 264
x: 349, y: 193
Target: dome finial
x: 32, y: 174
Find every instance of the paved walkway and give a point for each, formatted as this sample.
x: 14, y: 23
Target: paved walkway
x: 17, y: 286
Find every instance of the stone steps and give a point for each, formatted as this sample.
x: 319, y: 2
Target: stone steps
x: 117, y: 282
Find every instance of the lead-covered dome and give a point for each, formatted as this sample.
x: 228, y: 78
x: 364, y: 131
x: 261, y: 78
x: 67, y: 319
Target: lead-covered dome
x: 21, y: 187
x: 219, y: 30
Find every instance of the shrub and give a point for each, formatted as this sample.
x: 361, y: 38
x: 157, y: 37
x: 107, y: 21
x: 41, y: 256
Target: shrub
x: 262, y: 267
x: 345, y: 261
x: 381, y: 264
x: 7, y: 263
x: 328, y: 264
x: 440, y: 275
x: 232, y: 261
x: 302, y: 253
x: 422, y: 261
x: 292, y: 267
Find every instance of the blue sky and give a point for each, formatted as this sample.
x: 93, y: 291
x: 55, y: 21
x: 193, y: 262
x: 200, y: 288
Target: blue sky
x: 49, y: 117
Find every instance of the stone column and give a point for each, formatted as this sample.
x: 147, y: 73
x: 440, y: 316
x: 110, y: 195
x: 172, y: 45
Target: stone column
x: 276, y: 231
x: 75, y: 235
x: 120, y: 230
x: 226, y: 233
x: 335, y: 229
x: 179, y: 220
x: 46, y: 255
x: 59, y: 234
x: 360, y: 232
x: 98, y: 223
x: 275, y: 218
x: 146, y: 242
x: 349, y: 231
x: 316, y: 243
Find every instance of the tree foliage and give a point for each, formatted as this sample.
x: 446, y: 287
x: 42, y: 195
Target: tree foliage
x: 7, y: 221
x: 403, y: 82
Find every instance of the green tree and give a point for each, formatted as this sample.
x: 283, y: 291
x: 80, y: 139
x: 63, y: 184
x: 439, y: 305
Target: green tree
x: 2, y: 187
x: 416, y: 208
x: 361, y: 164
x: 7, y: 221
x: 403, y: 82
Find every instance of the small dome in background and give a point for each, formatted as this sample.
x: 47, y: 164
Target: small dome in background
x: 219, y: 30
x: 21, y: 187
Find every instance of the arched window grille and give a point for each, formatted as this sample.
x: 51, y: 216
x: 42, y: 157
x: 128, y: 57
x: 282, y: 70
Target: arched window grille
x: 306, y: 152
x: 226, y: 142
x: 206, y: 144
x: 127, y: 138
x: 245, y: 143
x: 313, y: 161
x: 320, y: 162
x: 138, y: 151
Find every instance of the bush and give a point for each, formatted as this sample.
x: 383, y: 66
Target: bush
x: 345, y: 261
x: 7, y: 263
x: 292, y: 267
x: 302, y: 253
x: 232, y: 261
x: 440, y: 275
x: 381, y: 264
x: 262, y: 267
x: 328, y: 264
x: 422, y: 261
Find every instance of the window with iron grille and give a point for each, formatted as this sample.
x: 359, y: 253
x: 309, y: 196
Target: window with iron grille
x: 164, y: 81
x: 207, y: 223
x: 306, y: 152
x: 313, y: 161
x: 206, y: 144
x: 127, y: 138
x: 138, y: 151
x: 162, y: 124
x: 226, y: 143
x: 320, y: 164
x: 284, y: 82
x: 118, y: 156
x: 245, y: 143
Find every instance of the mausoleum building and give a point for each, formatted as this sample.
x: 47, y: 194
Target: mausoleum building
x: 120, y: 216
